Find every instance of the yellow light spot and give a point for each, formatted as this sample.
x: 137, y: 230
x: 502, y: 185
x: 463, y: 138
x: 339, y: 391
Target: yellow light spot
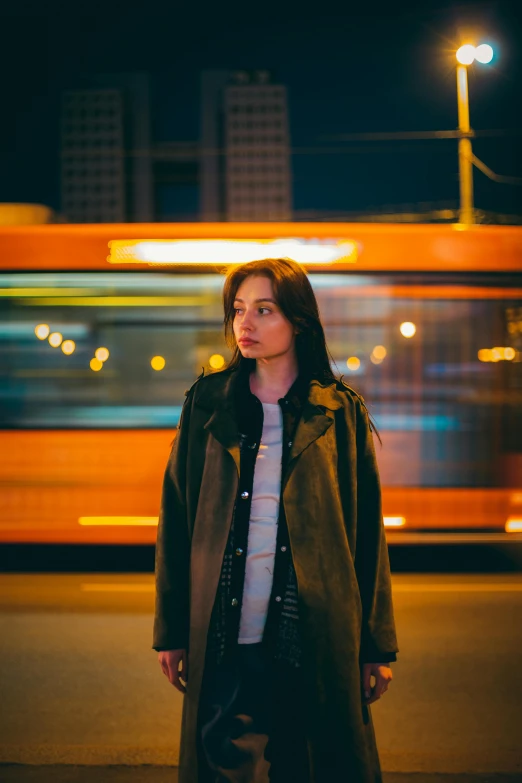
x: 95, y: 364
x: 118, y: 521
x: 379, y: 352
x: 514, y: 525
x: 55, y: 338
x: 119, y: 301
x: 216, y: 361
x: 374, y: 359
x: 115, y: 587
x: 407, y: 329
x: 157, y: 362
x: 68, y: 347
x: 353, y: 363
x: 394, y: 521
x: 466, y: 54
x: 497, y: 354
x: 102, y: 354
x: 41, y: 331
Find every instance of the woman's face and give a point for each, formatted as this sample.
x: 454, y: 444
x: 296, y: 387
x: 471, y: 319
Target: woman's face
x: 260, y: 328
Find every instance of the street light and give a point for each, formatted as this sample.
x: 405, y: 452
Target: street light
x: 466, y: 56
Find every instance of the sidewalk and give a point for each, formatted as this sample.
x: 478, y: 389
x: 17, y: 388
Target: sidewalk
x: 25, y: 773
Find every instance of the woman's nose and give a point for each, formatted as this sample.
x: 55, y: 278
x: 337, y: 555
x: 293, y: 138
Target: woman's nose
x: 246, y: 321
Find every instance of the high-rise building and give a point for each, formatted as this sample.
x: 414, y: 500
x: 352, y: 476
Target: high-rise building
x: 245, y: 148
x: 93, y: 180
x: 106, y: 162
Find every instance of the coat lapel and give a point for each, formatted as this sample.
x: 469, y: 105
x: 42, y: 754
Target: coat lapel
x: 223, y: 426
x: 312, y: 424
x: 317, y: 416
x: 315, y: 419
x: 222, y: 423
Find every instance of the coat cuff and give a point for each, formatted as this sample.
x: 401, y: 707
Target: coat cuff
x: 176, y: 643
x: 382, y: 658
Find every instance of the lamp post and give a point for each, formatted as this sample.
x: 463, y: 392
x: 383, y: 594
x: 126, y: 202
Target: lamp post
x: 465, y: 57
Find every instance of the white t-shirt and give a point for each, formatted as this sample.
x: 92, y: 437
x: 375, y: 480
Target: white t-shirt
x: 262, y: 532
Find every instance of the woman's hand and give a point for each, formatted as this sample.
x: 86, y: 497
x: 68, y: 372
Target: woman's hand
x: 169, y: 662
x: 383, y: 676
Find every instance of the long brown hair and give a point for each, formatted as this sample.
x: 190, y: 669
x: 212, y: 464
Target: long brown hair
x: 295, y: 296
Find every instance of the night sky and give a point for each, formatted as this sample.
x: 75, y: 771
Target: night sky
x: 349, y: 68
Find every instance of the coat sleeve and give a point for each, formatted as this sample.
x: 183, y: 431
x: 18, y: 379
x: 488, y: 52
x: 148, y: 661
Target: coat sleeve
x: 172, y: 557
x: 372, y: 565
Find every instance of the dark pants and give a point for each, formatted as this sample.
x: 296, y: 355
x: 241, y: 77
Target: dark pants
x: 255, y: 695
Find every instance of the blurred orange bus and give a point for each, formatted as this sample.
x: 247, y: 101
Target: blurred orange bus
x: 425, y: 321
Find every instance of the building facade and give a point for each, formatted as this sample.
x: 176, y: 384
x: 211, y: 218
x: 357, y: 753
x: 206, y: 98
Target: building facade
x: 112, y: 170
x: 106, y: 171
x: 245, y: 147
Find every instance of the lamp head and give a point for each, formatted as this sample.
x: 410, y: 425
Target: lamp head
x: 484, y: 53
x: 468, y: 53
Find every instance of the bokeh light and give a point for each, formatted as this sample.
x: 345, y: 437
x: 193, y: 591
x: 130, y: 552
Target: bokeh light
x: 68, y: 347
x: 102, y: 354
x: 379, y: 352
x: 353, y: 363
x: 42, y: 331
x: 95, y: 364
x: 55, y: 338
x: 407, y: 329
x: 216, y: 361
x: 497, y: 354
x: 157, y: 362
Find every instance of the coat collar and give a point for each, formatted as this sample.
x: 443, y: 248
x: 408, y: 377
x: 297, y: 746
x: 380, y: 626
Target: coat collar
x: 228, y: 385
x: 229, y: 390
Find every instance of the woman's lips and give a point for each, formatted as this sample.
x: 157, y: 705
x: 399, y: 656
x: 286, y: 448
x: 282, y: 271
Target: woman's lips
x: 246, y: 341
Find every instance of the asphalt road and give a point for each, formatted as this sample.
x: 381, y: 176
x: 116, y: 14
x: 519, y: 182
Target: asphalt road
x: 81, y: 685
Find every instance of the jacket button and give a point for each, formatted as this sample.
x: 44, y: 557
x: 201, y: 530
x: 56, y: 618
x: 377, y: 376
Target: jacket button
x: 290, y: 443
x: 278, y: 597
x: 253, y: 445
x: 234, y: 602
x: 239, y: 551
x: 283, y: 549
x: 244, y: 495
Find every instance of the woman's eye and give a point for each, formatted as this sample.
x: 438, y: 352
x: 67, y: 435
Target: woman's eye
x: 239, y: 310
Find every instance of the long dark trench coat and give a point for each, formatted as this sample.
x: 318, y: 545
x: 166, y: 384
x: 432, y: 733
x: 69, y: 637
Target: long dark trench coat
x: 332, y: 499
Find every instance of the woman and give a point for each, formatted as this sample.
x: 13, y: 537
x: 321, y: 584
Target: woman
x: 273, y: 586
